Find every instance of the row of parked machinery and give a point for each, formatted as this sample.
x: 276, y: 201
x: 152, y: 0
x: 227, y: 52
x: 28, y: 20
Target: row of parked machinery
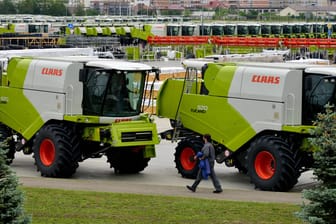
x: 65, y: 110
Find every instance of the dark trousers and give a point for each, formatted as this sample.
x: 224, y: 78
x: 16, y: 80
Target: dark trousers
x: 212, y: 175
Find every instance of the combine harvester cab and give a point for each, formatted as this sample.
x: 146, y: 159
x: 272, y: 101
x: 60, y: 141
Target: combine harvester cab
x: 258, y: 114
x: 65, y: 110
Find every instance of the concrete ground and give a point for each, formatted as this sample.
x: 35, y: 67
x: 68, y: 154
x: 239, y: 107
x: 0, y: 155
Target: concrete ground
x: 159, y: 178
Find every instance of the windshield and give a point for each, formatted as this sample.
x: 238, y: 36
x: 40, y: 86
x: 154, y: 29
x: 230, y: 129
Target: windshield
x: 242, y: 30
x: 173, y: 30
x: 187, y: 30
x: 318, y: 91
x: 113, y: 93
x: 265, y: 29
x: 218, y: 30
x: 287, y: 29
x: 205, y: 30
x: 275, y: 29
x: 253, y: 30
x: 229, y: 30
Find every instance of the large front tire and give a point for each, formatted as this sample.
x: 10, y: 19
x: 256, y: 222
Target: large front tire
x: 56, y: 151
x: 127, y: 160
x: 271, y: 166
x: 184, y: 157
x: 7, y: 143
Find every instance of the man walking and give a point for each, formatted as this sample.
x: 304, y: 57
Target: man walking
x: 208, y: 151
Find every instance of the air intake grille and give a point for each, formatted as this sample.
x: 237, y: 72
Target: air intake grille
x: 136, y: 136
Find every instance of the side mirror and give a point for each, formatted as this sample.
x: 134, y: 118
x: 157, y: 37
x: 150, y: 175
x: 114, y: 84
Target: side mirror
x: 157, y: 73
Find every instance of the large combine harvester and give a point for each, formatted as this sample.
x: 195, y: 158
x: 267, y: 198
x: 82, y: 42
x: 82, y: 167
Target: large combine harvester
x: 259, y: 115
x: 66, y: 110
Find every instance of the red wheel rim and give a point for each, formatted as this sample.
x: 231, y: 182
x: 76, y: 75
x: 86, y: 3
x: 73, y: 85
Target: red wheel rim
x: 47, y: 152
x: 264, y: 165
x: 187, y: 159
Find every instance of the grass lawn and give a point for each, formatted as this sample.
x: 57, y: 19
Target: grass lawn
x: 65, y: 206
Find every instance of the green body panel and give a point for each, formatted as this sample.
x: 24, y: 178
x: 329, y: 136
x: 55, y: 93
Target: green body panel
x: 106, y: 31
x: 214, y: 115
x: 133, y: 53
x: 210, y: 113
x: 15, y: 67
x: 4, y: 80
x: 149, y: 151
x: 89, y: 31
x: 10, y: 28
x: 298, y: 129
x: 139, y: 33
x: 61, y: 41
x: 29, y: 122
x: 82, y: 119
x: 94, y: 128
x: 135, y: 32
x: 120, y: 31
x: 219, y: 85
x: 67, y: 31
x: 132, y: 126
x: 147, y: 28
x: 77, y: 31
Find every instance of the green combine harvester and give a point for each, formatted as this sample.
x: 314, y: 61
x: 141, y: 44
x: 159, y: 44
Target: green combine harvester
x: 66, y: 110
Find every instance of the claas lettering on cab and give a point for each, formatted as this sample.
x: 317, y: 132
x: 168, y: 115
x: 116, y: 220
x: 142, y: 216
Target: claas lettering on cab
x: 258, y: 114
x: 65, y: 110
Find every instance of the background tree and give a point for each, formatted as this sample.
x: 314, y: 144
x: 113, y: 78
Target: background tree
x: 79, y: 10
x: 7, y: 7
x: 322, y: 199
x: 11, y: 197
x: 92, y: 12
x: 29, y: 7
x: 252, y: 14
x: 56, y: 8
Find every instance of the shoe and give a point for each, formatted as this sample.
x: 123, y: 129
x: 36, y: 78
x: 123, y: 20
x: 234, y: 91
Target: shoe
x: 218, y: 191
x: 191, y: 188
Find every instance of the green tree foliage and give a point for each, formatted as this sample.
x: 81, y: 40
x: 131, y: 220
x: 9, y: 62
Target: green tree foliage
x: 28, y: 7
x: 11, y: 197
x: 321, y: 207
x: 92, y: 12
x: 252, y: 14
x: 7, y: 7
x: 46, y: 7
x: 79, y: 10
x: 55, y: 8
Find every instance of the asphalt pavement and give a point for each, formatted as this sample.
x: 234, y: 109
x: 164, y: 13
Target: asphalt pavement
x: 159, y: 178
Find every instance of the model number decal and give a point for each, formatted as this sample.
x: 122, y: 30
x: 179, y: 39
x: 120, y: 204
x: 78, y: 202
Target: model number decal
x: 118, y: 120
x: 199, y: 109
x: 52, y: 71
x: 269, y: 79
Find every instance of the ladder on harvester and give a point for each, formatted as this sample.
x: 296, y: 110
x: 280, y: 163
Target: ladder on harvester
x: 190, y: 78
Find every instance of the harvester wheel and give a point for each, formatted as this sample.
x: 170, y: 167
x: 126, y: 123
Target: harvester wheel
x: 127, y: 160
x: 56, y: 151
x: 7, y: 143
x: 271, y: 166
x: 184, y: 157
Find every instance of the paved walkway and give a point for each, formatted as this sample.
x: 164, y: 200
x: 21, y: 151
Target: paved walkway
x: 125, y: 187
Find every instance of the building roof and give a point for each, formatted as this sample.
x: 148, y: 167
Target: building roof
x: 312, y: 8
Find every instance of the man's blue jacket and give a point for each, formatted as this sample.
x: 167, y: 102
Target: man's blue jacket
x: 204, y: 166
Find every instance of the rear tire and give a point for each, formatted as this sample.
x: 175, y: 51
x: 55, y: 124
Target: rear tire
x: 184, y: 157
x: 56, y: 151
x: 271, y: 166
x: 8, y: 143
x: 127, y: 160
